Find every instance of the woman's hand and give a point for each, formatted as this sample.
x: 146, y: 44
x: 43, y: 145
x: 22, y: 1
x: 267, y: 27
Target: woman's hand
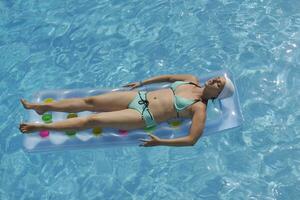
x: 133, y: 85
x: 154, y: 141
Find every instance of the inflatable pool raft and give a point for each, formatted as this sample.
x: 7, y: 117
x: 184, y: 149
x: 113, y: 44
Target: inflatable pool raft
x: 221, y: 115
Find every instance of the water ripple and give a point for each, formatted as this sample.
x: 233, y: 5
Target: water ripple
x: 71, y: 44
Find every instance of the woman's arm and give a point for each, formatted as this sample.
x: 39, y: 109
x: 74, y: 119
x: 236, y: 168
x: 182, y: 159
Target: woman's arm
x: 184, y: 77
x: 164, y: 78
x: 170, y: 78
x: 196, y: 129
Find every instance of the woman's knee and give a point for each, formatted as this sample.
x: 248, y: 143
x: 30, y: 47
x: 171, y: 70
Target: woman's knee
x: 89, y: 100
x: 94, y: 120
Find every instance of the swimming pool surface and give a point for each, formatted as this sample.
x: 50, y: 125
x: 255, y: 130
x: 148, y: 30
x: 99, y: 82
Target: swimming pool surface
x: 88, y: 44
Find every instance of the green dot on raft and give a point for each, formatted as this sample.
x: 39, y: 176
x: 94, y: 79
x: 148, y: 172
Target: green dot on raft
x: 150, y: 129
x: 175, y: 123
x: 72, y: 115
x: 70, y: 133
x: 48, y: 122
x: 47, y: 117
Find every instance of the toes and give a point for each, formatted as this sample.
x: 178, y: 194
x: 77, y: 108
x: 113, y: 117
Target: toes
x: 28, y: 105
x: 23, y: 127
x: 24, y: 102
x: 28, y: 127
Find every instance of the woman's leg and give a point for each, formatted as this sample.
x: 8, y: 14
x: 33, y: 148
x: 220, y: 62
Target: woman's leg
x: 123, y: 119
x: 111, y: 101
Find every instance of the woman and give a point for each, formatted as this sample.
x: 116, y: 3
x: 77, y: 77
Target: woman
x: 137, y: 109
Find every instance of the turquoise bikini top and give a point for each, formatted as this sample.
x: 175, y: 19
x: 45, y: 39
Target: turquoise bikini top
x: 181, y: 103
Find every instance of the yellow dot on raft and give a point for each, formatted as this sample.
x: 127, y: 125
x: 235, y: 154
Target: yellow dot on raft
x: 48, y: 100
x: 97, y: 131
x: 175, y: 123
x: 72, y: 115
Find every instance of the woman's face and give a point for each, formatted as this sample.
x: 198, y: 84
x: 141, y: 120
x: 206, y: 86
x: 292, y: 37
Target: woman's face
x: 214, y: 86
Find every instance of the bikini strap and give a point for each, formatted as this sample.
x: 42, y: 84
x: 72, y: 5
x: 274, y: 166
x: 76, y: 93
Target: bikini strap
x: 145, y: 103
x: 194, y: 84
x: 197, y: 100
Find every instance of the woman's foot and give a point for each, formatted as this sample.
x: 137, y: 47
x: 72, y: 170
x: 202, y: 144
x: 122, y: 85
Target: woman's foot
x: 39, y: 109
x: 29, y: 127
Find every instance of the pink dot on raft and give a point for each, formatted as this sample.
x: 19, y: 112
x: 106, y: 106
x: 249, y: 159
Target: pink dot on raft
x: 123, y: 132
x: 44, y: 133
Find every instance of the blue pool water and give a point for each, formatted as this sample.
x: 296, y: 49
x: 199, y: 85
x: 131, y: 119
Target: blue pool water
x: 87, y: 44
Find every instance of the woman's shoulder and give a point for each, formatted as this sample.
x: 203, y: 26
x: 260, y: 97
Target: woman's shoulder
x: 193, y: 79
x: 199, y: 106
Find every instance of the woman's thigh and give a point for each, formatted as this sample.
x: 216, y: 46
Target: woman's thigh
x: 123, y: 119
x: 111, y: 101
